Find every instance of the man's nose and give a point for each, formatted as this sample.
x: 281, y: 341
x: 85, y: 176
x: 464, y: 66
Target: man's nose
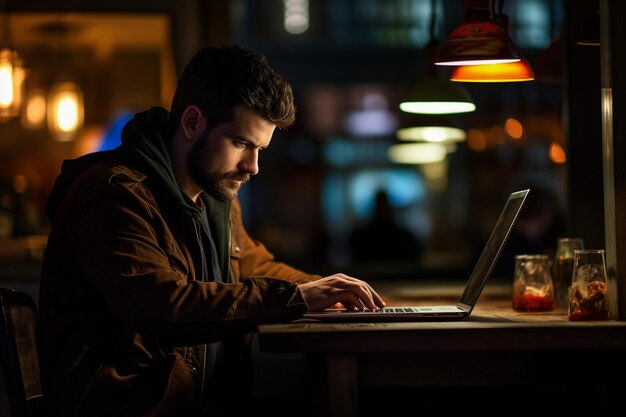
x: 250, y: 163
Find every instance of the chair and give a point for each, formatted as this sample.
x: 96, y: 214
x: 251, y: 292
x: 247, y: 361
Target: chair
x: 20, y: 379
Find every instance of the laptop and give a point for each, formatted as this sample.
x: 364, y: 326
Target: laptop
x: 473, y: 288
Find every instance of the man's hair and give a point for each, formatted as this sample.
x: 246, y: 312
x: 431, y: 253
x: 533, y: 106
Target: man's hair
x: 223, y: 81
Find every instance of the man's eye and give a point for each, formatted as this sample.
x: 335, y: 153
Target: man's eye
x: 240, y: 145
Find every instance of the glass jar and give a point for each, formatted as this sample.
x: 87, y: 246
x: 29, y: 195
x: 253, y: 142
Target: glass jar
x: 589, y: 291
x: 532, y: 284
x: 563, y: 268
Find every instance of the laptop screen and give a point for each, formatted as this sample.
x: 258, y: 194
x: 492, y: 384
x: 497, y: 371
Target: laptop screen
x: 492, y: 249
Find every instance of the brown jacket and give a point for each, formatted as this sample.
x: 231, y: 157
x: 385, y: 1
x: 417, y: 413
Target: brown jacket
x: 123, y: 308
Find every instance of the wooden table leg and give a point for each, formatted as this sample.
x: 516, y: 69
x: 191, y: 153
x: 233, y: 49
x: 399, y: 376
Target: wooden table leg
x: 342, y: 382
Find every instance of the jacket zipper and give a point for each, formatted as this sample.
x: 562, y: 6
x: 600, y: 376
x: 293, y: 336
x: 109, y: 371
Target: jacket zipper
x: 196, y: 228
x: 230, y: 242
x: 74, y: 366
x: 79, y: 357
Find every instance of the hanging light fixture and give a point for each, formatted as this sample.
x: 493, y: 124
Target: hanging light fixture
x: 417, y: 153
x: 432, y: 134
x: 517, y: 71
x: 65, y: 103
x: 12, y: 74
x: 433, y: 129
x: 479, y: 40
x: 434, y: 94
x: 590, y: 31
x: 34, y: 112
x: 65, y: 110
x: 494, y: 73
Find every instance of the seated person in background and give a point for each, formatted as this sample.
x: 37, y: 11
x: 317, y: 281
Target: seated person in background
x: 151, y: 287
x: 536, y: 231
x: 381, y: 238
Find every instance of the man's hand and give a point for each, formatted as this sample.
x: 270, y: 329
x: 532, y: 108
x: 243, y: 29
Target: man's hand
x: 340, y: 288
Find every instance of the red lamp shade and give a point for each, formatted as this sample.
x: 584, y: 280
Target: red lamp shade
x: 478, y: 40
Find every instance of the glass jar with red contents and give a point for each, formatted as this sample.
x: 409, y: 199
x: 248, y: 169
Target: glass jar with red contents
x: 532, y: 284
x: 589, y: 291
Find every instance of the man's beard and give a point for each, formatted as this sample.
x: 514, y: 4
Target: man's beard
x: 213, y: 183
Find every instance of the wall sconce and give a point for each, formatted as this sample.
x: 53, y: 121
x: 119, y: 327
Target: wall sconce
x: 12, y: 76
x: 65, y: 110
x: 479, y: 40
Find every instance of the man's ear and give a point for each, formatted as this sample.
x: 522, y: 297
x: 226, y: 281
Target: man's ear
x: 190, y: 120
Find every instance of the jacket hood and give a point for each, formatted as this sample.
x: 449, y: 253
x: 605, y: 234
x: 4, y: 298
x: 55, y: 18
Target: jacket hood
x: 144, y: 139
x: 144, y: 146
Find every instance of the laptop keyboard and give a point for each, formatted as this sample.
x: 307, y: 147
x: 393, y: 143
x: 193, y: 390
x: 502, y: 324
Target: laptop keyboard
x: 402, y: 309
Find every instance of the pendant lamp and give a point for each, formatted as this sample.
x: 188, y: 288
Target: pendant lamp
x: 65, y: 106
x: 494, y: 73
x: 12, y: 72
x: 435, y: 94
x: 479, y: 40
x: 12, y: 75
x: 416, y: 153
x: 65, y: 110
x: 431, y: 128
x: 34, y: 112
x: 433, y: 134
x: 589, y: 31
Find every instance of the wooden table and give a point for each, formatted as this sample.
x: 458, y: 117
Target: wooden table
x: 495, y: 346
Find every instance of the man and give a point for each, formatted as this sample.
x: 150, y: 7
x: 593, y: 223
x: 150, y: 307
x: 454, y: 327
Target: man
x: 150, y: 285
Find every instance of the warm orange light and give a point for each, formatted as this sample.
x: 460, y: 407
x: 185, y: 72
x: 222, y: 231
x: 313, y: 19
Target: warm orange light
x: 65, y: 110
x: 494, y: 73
x: 476, y: 140
x: 12, y: 76
x: 557, y: 153
x: 20, y: 184
x: 513, y: 128
x: 496, y: 135
x: 34, y: 114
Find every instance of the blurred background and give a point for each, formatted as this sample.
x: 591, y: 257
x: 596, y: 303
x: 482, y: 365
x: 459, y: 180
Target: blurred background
x: 329, y: 182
